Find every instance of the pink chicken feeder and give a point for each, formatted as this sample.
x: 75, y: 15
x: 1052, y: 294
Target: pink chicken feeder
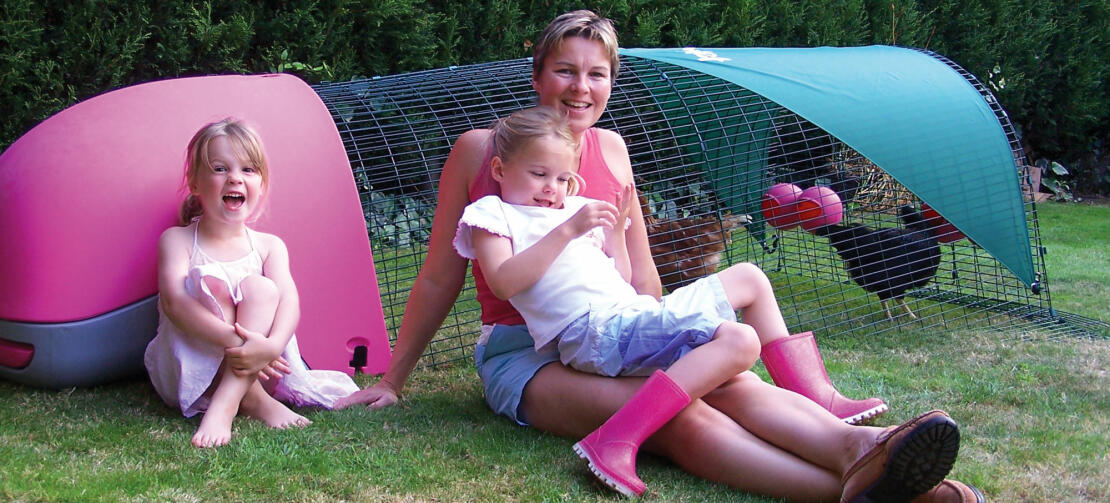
x: 778, y: 205
x: 819, y: 206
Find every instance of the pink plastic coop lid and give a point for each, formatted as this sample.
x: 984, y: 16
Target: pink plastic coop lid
x: 85, y: 195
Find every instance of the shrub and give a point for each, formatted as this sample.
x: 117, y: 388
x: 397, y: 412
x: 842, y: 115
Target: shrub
x: 1046, y: 60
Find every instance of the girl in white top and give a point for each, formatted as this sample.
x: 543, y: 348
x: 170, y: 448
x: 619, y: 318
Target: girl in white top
x: 227, y: 302
x: 558, y: 258
x: 562, y: 262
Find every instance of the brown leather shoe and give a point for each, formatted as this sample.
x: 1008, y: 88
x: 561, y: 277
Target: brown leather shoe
x: 907, y: 460
x: 951, y: 491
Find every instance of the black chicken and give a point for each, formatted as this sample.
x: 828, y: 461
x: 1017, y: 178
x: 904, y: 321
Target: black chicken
x: 888, y: 262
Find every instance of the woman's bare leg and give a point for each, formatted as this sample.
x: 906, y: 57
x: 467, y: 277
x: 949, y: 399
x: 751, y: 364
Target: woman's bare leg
x: 792, y: 422
x: 256, y: 313
x: 794, y: 363
x: 700, y: 439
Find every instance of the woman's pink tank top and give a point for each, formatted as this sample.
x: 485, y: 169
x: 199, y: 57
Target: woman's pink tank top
x: 600, y: 184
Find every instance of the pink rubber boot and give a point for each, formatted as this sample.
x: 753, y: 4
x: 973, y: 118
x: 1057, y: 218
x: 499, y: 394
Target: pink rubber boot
x: 611, y: 449
x: 795, y: 364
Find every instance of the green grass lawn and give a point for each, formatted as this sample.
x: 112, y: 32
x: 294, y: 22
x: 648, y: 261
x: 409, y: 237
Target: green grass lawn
x: 1077, y: 238
x: 1033, y: 411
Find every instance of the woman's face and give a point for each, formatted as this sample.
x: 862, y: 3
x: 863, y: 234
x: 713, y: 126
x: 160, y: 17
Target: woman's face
x: 575, y: 80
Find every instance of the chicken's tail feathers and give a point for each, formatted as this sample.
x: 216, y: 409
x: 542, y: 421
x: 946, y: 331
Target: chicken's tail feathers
x: 645, y: 208
x: 828, y: 230
x: 912, y: 218
x: 730, y: 221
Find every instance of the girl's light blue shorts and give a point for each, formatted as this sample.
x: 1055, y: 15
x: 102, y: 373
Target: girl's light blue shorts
x: 647, y: 336
x: 506, y: 361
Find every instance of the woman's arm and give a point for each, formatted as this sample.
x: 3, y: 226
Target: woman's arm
x: 440, y: 279
x: 184, y: 310
x: 645, y: 277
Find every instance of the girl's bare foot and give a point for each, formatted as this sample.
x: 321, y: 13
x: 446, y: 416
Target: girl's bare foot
x: 214, y: 429
x: 261, y: 406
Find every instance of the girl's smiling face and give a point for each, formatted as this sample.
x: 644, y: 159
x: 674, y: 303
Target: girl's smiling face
x: 230, y: 187
x: 538, y: 174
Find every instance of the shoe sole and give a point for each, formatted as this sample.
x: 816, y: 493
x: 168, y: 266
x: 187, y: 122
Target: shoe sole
x: 602, y: 476
x: 867, y: 415
x: 978, y: 495
x: 918, y: 463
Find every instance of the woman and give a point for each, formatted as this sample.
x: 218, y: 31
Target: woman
x: 745, y: 427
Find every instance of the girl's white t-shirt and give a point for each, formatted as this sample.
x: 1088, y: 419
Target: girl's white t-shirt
x: 581, y: 278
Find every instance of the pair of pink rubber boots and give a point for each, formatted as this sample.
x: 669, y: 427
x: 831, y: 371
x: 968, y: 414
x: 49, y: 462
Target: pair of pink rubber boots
x: 793, y: 363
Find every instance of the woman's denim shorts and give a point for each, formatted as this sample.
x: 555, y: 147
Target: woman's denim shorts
x: 507, y: 359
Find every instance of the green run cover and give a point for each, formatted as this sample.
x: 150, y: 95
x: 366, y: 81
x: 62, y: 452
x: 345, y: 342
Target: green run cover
x: 907, y: 112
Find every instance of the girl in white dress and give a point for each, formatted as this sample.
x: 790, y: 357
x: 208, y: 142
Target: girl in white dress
x: 227, y: 302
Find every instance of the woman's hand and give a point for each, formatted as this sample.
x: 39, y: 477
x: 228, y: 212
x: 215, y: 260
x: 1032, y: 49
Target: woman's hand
x: 257, y: 355
x: 377, y: 396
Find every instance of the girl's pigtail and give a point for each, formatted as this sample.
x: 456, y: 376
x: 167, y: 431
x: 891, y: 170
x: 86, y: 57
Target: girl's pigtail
x: 576, y: 185
x: 190, y: 209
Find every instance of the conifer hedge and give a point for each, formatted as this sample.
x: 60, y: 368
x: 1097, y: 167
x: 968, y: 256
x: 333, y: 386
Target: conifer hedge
x: 1047, y: 60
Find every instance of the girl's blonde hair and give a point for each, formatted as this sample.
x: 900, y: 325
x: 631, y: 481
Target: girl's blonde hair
x: 242, y: 138
x: 579, y: 23
x: 511, y: 134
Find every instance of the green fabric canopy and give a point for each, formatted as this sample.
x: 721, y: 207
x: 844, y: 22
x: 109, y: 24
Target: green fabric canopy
x: 909, y: 113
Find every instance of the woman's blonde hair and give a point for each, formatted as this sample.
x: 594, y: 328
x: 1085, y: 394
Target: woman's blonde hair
x: 242, y: 138
x: 579, y: 23
x: 510, y: 134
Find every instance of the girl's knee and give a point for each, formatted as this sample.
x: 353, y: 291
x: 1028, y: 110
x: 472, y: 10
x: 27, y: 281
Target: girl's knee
x: 753, y: 275
x: 745, y: 283
x: 741, y: 341
x: 259, y: 288
x: 221, y: 302
x: 218, y: 289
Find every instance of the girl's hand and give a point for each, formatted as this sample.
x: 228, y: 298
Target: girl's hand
x: 594, y: 214
x: 255, y: 354
x: 625, y: 200
x: 375, y: 397
x: 616, y: 244
x: 275, y: 369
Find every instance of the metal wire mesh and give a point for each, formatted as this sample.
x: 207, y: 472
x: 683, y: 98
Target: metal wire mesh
x: 704, y: 152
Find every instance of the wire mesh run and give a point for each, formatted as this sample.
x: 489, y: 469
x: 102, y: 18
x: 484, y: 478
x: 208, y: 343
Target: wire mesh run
x: 705, y: 152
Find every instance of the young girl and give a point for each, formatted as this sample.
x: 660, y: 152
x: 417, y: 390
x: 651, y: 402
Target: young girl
x: 227, y: 302
x: 561, y: 260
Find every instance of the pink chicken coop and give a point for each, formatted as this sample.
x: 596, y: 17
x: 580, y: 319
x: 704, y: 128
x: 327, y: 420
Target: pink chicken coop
x: 85, y: 195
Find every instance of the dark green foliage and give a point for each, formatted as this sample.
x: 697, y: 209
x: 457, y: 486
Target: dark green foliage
x: 900, y: 22
x: 1046, y: 60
